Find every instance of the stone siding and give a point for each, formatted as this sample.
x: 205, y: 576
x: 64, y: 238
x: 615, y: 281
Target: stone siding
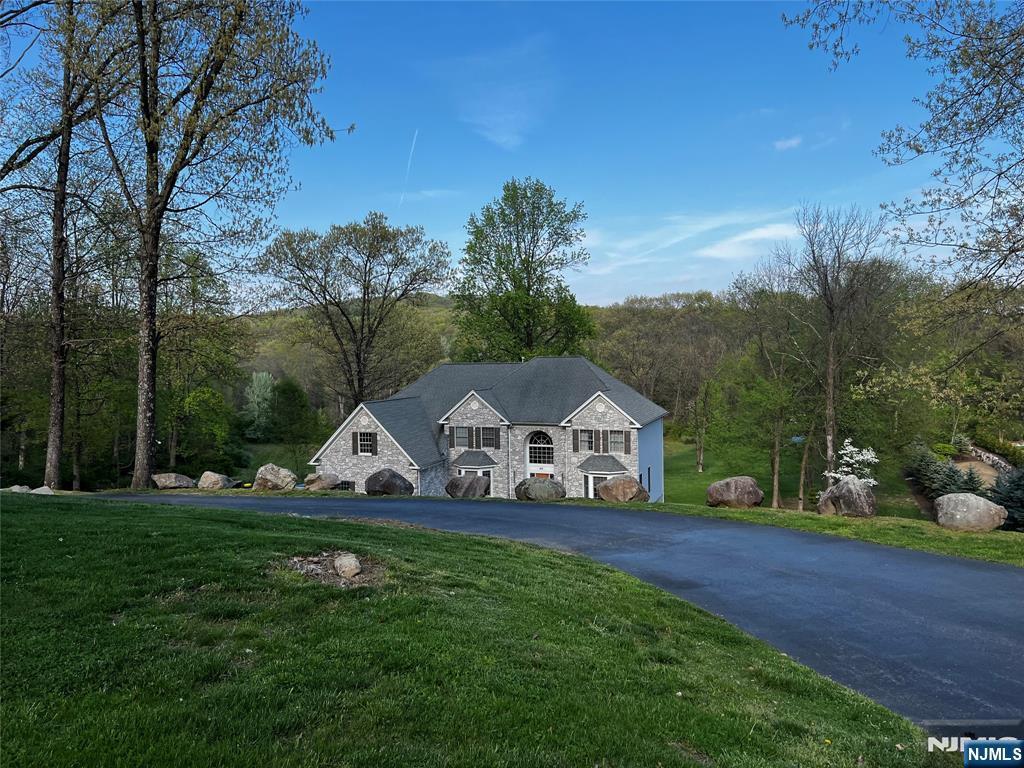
x: 338, y: 457
x: 476, y: 413
x: 598, y: 415
x: 517, y: 436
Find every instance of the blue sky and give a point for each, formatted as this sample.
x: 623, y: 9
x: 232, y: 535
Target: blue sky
x: 689, y: 131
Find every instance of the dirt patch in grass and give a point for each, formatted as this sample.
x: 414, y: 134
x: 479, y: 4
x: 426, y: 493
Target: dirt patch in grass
x: 321, y: 568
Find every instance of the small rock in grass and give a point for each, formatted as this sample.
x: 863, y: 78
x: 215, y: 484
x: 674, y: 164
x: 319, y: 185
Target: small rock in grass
x: 347, y: 565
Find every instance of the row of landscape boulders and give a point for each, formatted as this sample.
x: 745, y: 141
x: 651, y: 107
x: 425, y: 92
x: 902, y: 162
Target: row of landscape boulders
x: 214, y: 481
x: 387, y: 482
x: 271, y: 477
x: 849, y: 497
x: 43, y: 490
x: 539, y: 489
x: 968, y: 512
x: 736, y: 492
x: 468, y: 487
x: 328, y: 481
x: 622, y: 488
x: 167, y: 481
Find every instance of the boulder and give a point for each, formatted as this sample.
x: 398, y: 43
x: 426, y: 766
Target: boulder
x: 968, y: 512
x: 468, y: 487
x: 622, y: 488
x: 387, y: 482
x: 271, y: 477
x: 19, y: 489
x: 165, y: 481
x: 44, y: 490
x: 849, y: 497
x: 539, y: 489
x: 738, y: 492
x: 211, y: 481
x: 347, y: 565
x: 328, y: 481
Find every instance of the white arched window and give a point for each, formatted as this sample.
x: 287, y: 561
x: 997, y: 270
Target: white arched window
x: 540, y: 455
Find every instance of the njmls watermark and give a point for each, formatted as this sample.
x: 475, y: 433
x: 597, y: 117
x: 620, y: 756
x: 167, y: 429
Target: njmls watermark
x: 957, y: 743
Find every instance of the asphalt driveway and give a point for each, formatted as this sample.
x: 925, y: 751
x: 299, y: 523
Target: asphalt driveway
x: 937, y: 639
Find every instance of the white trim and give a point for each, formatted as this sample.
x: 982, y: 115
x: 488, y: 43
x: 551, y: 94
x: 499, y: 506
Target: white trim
x: 568, y: 419
x: 315, y: 461
x: 472, y: 393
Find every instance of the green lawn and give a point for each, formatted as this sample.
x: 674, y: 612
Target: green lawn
x: 138, y: 634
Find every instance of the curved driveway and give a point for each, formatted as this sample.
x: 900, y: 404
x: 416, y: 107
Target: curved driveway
x: 937, y: 639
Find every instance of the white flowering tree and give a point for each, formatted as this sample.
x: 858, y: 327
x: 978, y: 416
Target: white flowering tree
x: 855, y: 461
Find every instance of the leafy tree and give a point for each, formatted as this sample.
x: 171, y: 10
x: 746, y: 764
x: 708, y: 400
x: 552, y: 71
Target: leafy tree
x: 354, y: 281
x: 972, y: 215
x: 217, y: 92
x: 259, y: 403
x: 511, y: 298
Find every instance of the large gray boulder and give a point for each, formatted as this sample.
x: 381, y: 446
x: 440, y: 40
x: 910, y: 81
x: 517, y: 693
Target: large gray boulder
x: 738, y: 492
x: 271, y: 477
x: 212, y: 481
x: 19, y: 489
x: 622, y: 488
x: 468, y: 487
x: 539, y: 489
x: 42, y: 490
x: 166, y: 481
x: 849, y: 497
x: 968, y: 512
x: 328, y: 481
x: 387, y: 482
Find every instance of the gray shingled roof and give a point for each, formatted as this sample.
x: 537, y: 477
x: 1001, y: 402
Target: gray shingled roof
x: 602, y: 463
x: 405, y: 420
x: 474, y: 459
x: 544, y: 390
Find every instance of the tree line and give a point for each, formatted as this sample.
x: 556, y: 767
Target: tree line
x: 152, y: 138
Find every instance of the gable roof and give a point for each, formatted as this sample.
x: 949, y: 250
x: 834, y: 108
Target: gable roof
x: 474, y: 459
x: 602, y: 463
x: 544, y: 390
x: 407, y: 422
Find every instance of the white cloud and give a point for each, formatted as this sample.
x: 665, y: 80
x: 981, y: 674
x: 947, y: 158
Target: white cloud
x: 749, y: 244
x: 781, y: 145
x: 502, y: 94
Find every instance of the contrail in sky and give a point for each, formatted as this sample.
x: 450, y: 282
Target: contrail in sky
x: 408, y: 166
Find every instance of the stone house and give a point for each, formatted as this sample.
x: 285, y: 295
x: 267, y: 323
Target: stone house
x: 558, y: 417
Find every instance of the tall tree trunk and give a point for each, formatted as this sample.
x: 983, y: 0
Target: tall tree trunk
x: 803, y: 470
x: 776, y: 461
x: 22, y: 443
x: 76, y: 465
x: 145, y: 411
x: 58, y: 263
x: 172, y: 447
x: 830, y: 408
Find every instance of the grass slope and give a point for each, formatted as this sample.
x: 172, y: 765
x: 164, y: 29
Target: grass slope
x: 898, y: 524
x: 136, y: 634
x: 685, y: 485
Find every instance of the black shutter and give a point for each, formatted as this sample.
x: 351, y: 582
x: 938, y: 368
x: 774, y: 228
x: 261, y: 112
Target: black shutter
x: 604, y: 441
x: 451, y: 436
x: 497, y: 437
x: 479, y: 443
x: 626, y: 441
x: 355, y: 443
x: 575, y: 441
x: 373, y: 443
